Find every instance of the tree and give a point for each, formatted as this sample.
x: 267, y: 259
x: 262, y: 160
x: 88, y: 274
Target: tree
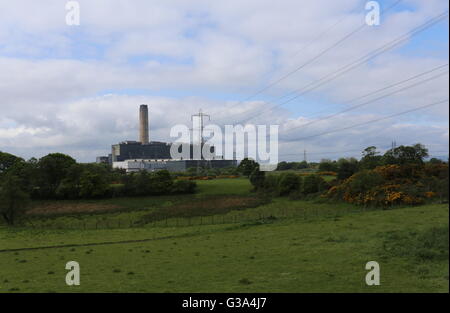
x: 13, y: 200
x: 53, y: 169
x: 161, y: 183
x: 370, y: 158
x: 27, y: 173
x: 302, y: 165
x: 288, y: 182
x: 346, y: 168
x: 406, y: 155
x: 327, y: 166
x: 270, y: 185
x: 435, y: 161
x: 257, y: 178
x: 140, y: 184
x: 313, y: 184
x: 7, y: 161
x: 247, y: 166
x: 93, y: 184
x: 69, y: 188
x: 282, y: 166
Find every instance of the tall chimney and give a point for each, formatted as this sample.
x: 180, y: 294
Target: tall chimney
x: 143, y: 124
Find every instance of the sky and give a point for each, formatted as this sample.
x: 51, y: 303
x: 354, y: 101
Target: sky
x: 301, y: 65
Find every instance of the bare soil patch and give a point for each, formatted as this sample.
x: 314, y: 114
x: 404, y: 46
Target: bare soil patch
x: 204, y: 207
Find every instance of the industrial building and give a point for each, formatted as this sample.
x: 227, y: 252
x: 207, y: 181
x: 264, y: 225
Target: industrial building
x: 171, y: 165
x: 131, y: 150
x: 149, y: 155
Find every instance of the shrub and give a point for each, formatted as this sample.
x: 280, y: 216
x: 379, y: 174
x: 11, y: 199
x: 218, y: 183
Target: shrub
x: 328, y: 166
x: 161, y: 183
x: 184, y: 186
x: 288, y: 182
x: 270, y: 185
x: 257, y: 178
x: 394, y: 185
x: 93, y: 185
x: 313, y: 184
x: 347, y: 167
x: 13, y: 200
x: 247, y: 166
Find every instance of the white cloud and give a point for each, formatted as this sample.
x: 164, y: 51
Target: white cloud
x: 53, y: 77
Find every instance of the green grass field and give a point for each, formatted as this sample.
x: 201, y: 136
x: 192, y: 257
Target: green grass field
x: 322, y: 253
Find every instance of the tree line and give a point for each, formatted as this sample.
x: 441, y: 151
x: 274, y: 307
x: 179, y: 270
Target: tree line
x: 399, y: 176
x: 59, y: 176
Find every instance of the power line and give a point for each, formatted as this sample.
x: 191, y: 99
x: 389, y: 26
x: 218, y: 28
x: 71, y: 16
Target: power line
x: 334, y: 45
x: 372, y: 121
x: 298, y: 154
x: 329, y: 77
x: 376, y: 99
x: 334, y: 152
x: 392, y: 85
x: 390, y: 45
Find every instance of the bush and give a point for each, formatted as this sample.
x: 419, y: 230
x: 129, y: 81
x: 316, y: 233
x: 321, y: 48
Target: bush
x: 257, y: 178
x: 328, y: 166
x: 13, y: 200
x: 347, y: 167
x: 161, y: 183
x: 270, y: 185
x: 93, y: 185
x: 313, y: 184
x: 393, y: 185
x: 247, y: 166
x: 288, y: 182
x: 184, y: 186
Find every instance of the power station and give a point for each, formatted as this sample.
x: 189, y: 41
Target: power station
x: 134, y: 156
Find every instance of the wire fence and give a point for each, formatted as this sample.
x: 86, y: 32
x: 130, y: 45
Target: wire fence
x: 234, y: 217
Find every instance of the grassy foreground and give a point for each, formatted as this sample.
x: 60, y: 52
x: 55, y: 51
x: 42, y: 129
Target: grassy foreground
x: 284, y: 255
